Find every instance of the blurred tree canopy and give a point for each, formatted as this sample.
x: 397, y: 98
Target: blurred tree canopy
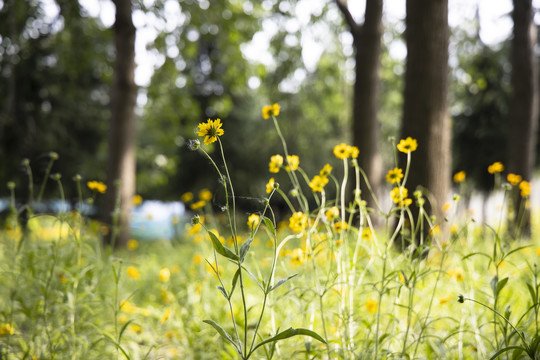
x: 56, y: 72
x: 55, y: 75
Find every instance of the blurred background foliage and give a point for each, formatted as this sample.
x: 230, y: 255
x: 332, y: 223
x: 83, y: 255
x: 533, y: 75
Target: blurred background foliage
x: 56, y: 71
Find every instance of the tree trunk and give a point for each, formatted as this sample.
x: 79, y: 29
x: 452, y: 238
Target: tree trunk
x: 121, y: 160
x: 365, y: 124
x: 425, y: 108
x: 524, y: 106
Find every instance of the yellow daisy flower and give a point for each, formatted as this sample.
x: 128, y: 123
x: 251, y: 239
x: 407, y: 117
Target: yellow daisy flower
x: 133, y: 272
x: 205, y: 195
x: 513, y: 179
x: 253, y: 220
x: 210, y: 130
x: 326, y: 170
x: 293, y: 161
x: 270, y: 110
x: 459, y: 176
x: 341, y: 151
x: 407, y: 145
x: 276, y: 162
x: 525, y: 188
x: 298, y: 221
x: 186, y: 197
x: 270, y: 185
x: 496, y: 167
x: 97, y: 186
x: 394, y: 176
x: 332, y: 213
x: 317, y: 183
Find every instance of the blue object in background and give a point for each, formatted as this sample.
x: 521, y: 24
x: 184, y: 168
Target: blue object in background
x: 153, y: 220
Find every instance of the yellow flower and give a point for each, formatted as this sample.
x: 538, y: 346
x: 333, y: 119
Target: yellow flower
x: 97, y: 186
x: 186, y: 197
x: 394, y: 176
x: 317, y: 183
x: 341, y: 151
x: 513, y: 179
x: 456, y: 273
x: 298, y: 221
x: 137, y: 200
x: 210, y: 130
x: 496, y: 167
x: 253, y: 220
x: 445, y: 299
x: 128, y: 307
x: 133, y: 272
x: 136, y: 328
x: 270, y: 110
x: 205, y: 195
x: 132, y: 244
x: 326, y: 170
x: 538, y: 251
x: 399, y: 196
x: 459, y: 176
x: 270, y: 185
x: 332, y: 213
x: 340, y: 226
x: 197, y: 205
x: 276, y: 162
x: 366, y: 234
x: 175, y: 269
x: 195, y: 229
x: 197, y: 259
x: 164, y: 275
x: 6, y: 329
x: 525, y: 188
x: 407, y: 145
x: 165, y: 316
x: 353, y: 152
x: 297, y: 256
x: 371, y: 305
x: 293, y: 161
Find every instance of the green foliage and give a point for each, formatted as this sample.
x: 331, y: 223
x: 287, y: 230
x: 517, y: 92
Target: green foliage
x: 54, y: 94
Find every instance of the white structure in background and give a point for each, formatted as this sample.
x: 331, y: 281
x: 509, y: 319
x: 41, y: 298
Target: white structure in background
x: 155, y: 220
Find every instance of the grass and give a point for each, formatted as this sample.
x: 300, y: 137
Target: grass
x: 326, y: 284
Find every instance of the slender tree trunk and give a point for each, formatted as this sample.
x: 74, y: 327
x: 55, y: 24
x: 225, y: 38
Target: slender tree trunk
x: 365, y: 124
x: 425, y: 108
x: 121, y: 160
x: 524, y: 108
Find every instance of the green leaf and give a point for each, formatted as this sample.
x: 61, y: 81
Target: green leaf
x: 254, y: 278
x: 494, y: 282
x: 245, y: 248
x: 223, y: 333
x: 223, y: 291
x: 290, y: 333
x: 269, y: 225
x: 532, y: 293
x: 234, y: 280
x: 501, y: 285
x: 222, y: 250
x: 503, y: 350
x: 281, y: 282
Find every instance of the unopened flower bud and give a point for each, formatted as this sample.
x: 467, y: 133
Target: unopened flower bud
x: 53, y: 155
x: 195, y: 220
x: 194, y: 144
x: 11, y: 185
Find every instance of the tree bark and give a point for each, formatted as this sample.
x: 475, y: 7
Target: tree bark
x: 121, y: 154
x: 365, y: 124
x: 425, y: 108
x: 524, y: 106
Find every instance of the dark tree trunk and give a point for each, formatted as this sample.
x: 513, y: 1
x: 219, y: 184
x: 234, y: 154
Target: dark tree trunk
x: 425, y: 108
x: 365, y: 125
x: 121, y: 160
x: 524, y: 108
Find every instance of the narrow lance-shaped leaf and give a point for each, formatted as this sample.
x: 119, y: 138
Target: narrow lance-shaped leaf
x: 269, y: 225
x: 290, y: 333
x: 245, y: 248
x: 281, y: 282
x: 220, y: 249
x: 223, y: 333
x: 234, y: 280
x: 501, y: 285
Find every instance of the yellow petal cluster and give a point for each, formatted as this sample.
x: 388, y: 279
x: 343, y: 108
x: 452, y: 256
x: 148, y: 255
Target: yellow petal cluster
x: 298, y: 221
x: 407, y: 145
x: 211, y: 129
x: 399, y: 195
x: 276, y: 162
x: 293, y: 162
x: 97, y: 186
x: 394, y: 176
x: 496, y: 167
x: 317, y: 183
x: 525, y: 188
x: 513, y: 179
x: 270, y: 110
x: 344, y: 151
x: 459, y: 176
